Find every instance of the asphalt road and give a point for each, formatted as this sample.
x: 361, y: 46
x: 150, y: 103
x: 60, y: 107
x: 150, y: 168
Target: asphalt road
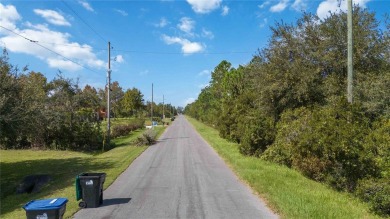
x: 179, y: 177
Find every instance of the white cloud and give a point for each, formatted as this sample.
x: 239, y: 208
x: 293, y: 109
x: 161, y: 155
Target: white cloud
x: 225, y: 10
x: 52, y: 17
x: 123, y: 13
x: 63, y: 64
x: 54, y: 40
x: 264, y: 4
x: 186, y: 25
x: 280, y: 6
x: 207, y: 34
x: 189, y: 100
x: 187, y: 46
x: 163, y: 22
x: 333, y: 6
x: 119, y: 59
x: 204, y: 6
x: 86, y: 5
x: 9, y: 15
x: 265, y: 22
x: 299, y: 5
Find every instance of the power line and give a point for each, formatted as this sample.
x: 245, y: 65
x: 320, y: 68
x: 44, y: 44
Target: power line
x: 36, y: 42
x: 74, y: 12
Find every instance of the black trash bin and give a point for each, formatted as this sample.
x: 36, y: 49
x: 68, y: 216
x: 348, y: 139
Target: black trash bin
x: 91, y: 189
x: 46, y: 208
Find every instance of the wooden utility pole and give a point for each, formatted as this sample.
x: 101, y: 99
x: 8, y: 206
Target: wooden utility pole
x: 350, y: 53
x: 151, y: 106
x: 163, y: 108
x: 108, y: 93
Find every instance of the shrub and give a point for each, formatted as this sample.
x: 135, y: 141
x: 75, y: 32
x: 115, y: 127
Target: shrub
x: 257, y: 134
x: 325, y: 144
x: 122, y: 130
x: 376, y: 193
x: 147, y: 138
x: 378, y: 144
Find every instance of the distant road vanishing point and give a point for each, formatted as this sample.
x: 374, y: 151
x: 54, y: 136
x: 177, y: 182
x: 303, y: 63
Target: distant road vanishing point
x: 179, y: 177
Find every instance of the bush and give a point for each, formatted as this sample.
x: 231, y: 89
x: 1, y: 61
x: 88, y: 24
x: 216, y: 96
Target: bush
x: 377, y: 143
x: 147, y: 138
x: 326, y: 144
x: 122, y: 130
x: 376, y: 193
x: 258, y: 134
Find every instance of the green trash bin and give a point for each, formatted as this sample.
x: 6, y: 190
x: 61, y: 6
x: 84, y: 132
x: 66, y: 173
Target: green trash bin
x: 89, y: 187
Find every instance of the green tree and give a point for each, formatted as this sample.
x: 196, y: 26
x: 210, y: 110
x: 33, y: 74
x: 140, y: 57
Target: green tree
x: 11, y: 108
x: 132, y: 102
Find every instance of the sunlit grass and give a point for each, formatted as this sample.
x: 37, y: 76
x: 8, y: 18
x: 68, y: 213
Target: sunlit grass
x: 63, y: 167
x: 286, y: 191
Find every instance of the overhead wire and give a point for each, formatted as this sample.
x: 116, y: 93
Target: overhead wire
x: 90, y: 27
x: 37, y: 43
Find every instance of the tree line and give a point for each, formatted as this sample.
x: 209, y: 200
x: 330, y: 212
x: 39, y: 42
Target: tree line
x: 288, y: 104
x: 59, y: 114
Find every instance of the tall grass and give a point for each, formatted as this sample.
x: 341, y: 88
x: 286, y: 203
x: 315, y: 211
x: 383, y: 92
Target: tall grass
x: 286, y: 191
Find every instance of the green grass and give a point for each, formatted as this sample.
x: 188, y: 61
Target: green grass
x: 62, y: 166
x: 286, y: 191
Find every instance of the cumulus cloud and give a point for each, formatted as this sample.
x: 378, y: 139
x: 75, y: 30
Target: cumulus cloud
x: 86, y: 5
x: 280, y: 6
x: 204, y: 6
x: 9, y: 15
x: 333, y: 6
x: 186, y: 25
x: 52, y: 17
x: 56, y: 41
x: 119, y: 59
x: 187, y: 46
x: 225, y: 10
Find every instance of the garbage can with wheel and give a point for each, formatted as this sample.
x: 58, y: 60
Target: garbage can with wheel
x: 89, y: 187
x: 46, y: 208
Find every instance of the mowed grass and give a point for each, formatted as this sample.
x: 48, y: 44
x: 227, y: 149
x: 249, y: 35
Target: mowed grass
x: 63, y: 167
x: 286, y: 191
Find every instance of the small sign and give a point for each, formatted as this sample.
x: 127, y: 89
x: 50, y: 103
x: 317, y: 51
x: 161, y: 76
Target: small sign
x: 89, y: 183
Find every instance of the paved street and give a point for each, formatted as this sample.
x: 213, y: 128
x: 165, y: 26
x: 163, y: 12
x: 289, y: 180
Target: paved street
x: 179, y: 177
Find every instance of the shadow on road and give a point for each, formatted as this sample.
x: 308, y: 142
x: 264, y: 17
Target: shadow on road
x: 164, y: 139
x: 115, y: 201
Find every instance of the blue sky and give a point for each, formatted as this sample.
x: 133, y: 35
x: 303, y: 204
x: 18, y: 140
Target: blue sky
x: 174, y: 44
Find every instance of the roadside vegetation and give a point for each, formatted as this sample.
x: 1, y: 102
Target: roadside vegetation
x: 63, y: 167
x: 286, y: 191
x: 288, y: 104
x: 57, y: 128
x: 61, y: 115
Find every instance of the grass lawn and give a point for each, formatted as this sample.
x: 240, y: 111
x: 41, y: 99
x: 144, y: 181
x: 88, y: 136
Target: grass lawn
x: 62, y: 166
x: 286, y: 191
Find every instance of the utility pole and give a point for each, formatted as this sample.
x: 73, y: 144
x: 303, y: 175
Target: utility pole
x: 163, y: 108
x: 108, y: 93
x: 350, y: 53
x: 151, y: 106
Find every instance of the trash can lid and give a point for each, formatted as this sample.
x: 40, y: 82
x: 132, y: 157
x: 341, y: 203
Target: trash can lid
x: 45, y: 204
